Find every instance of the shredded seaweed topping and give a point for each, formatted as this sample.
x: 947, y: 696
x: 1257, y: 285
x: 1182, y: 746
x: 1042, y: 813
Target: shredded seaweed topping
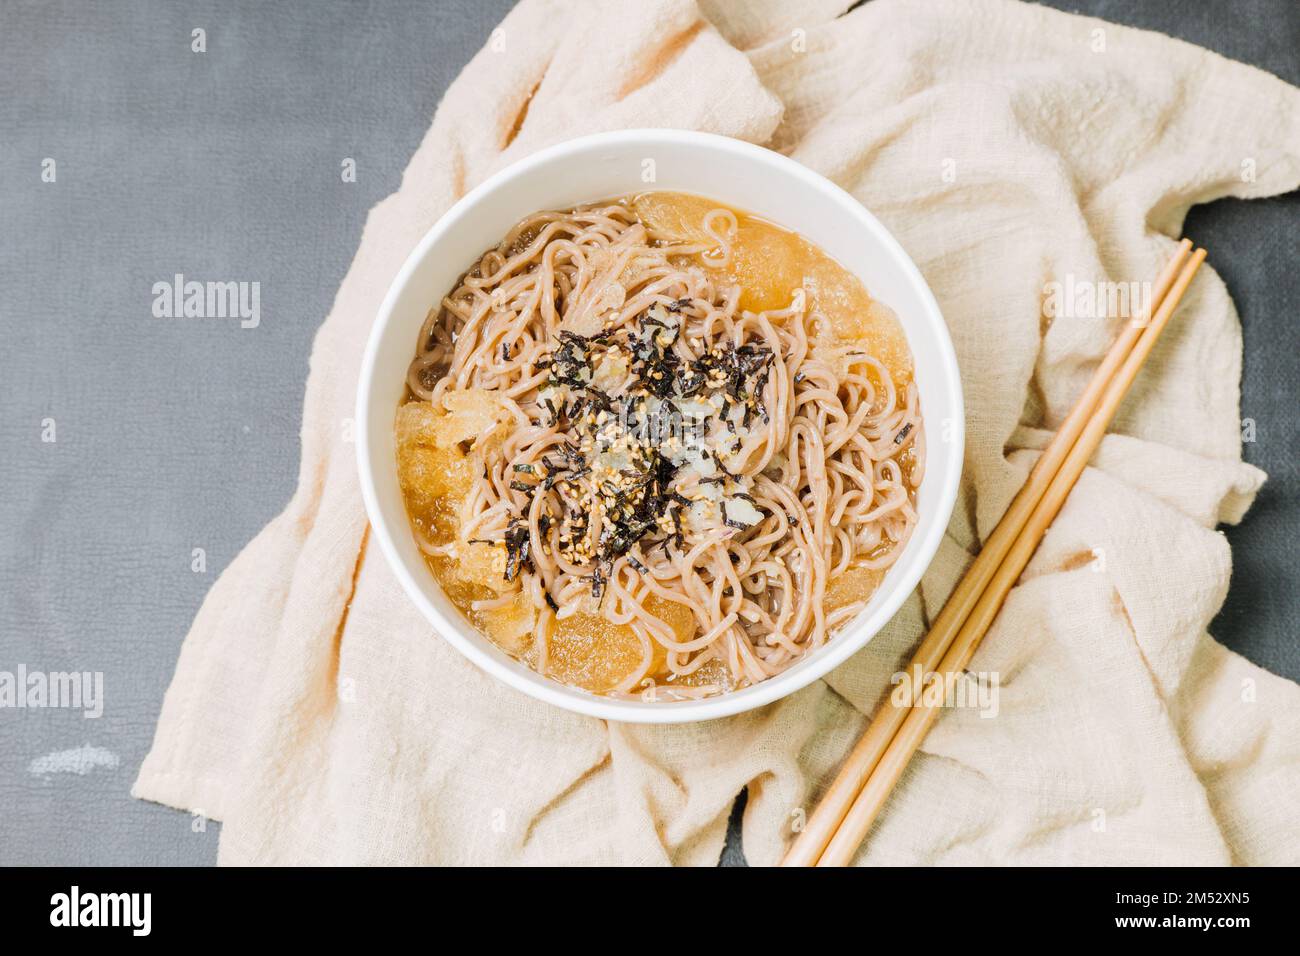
x: 624, y: 450
x: 518, y: 543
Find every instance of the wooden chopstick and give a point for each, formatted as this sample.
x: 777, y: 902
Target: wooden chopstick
x: 920, y: 717
x: 821, y: 827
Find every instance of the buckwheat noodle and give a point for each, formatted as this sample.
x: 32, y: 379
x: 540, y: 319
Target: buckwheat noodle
x: 796, y: 460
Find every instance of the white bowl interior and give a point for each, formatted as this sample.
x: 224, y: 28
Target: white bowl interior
x: 616, y: 164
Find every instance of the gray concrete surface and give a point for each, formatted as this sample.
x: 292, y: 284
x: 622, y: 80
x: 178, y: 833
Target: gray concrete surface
x: 174, y: 437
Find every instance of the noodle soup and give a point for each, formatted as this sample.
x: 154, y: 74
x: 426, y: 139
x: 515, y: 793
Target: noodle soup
x: 659, y: 447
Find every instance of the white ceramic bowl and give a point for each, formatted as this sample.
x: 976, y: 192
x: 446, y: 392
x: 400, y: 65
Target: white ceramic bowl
x: 615, y: 164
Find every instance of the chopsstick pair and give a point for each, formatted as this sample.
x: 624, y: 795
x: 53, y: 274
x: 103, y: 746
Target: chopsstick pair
x: 838, y: 826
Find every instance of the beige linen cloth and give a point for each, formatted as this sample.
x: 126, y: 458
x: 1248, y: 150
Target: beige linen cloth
x: 1007, y: 146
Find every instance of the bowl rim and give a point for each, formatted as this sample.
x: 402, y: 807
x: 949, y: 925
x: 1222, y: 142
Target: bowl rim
x: 813, y: 667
